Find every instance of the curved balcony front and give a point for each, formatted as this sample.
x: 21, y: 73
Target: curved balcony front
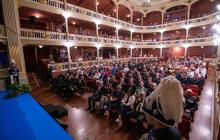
x: 30, y: 36
x: 56, y: 6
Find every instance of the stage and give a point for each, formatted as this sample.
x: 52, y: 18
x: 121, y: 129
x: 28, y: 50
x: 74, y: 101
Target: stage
x: 22, y: 118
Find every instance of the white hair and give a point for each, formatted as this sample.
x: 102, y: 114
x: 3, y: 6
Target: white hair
x: 169, y: 95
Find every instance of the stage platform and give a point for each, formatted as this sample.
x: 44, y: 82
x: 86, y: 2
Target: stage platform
x: 22, y: 118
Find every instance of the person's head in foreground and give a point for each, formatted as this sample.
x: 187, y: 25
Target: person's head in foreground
x: 163, y: 109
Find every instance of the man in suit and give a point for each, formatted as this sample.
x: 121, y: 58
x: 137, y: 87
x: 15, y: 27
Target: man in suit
x: 96, y: 96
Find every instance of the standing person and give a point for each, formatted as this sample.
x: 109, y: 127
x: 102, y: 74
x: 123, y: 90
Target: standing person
x: 163, y: 109
x: 14, y: 72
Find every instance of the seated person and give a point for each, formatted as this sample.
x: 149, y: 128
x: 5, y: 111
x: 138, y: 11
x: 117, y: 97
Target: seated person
x: 96, y: 96
x: 141, y: 89
x: 163, y: 109
x: 191, y: 105
x: 114, y: 101
x: 127, y: 105
x: 135, y: 115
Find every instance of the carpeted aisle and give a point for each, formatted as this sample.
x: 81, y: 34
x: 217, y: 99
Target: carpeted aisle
x: 22, y: 118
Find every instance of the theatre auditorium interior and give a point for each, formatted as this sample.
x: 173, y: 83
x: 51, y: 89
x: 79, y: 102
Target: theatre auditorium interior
x: 109, y: 69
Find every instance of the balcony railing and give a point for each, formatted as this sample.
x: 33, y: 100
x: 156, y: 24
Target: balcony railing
x: 31, y: 34
x: 212, y: 18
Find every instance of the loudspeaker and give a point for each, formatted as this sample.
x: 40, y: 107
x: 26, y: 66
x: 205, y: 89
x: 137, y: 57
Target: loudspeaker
x: 32, y: 20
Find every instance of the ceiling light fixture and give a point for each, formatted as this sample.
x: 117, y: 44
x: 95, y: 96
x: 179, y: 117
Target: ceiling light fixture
x: 132, y: 46
x: 98, y: 45
x: 40, y: 46
x: 162, y: 30
x: 186, y: 45
x: 187, y: 27
x: 118, y: 46
x: 132, y: 30
x: 66, y: 15
x: 161, y: 46
x: 218, y: 7
x: 97, y: 21
x: 118, y: 27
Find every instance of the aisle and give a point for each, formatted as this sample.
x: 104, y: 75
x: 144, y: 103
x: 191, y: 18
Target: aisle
x: 201, y: 128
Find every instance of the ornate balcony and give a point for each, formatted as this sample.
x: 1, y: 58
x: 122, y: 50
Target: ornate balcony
x: 30, y: 36
x: 56, y: 6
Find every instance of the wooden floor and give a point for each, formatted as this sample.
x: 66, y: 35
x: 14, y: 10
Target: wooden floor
x: 83, y: 125
x: 201, y: 128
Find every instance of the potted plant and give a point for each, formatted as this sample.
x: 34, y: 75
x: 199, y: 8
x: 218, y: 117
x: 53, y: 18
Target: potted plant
x: 16, y: 89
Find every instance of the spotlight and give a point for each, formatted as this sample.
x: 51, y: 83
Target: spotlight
x: 118, y: 46
x: 118, y: 27
x: 97, y: 21
x: 132, y: 46
x: 218, y: 7
x: 40, y: 46
x: 66, y: 14
x: 98, y: 46
x: 187, y: 27
x: 132, y: 30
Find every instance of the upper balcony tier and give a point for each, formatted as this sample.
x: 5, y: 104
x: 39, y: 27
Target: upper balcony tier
x: 30, y: 36
x: 58, y: 7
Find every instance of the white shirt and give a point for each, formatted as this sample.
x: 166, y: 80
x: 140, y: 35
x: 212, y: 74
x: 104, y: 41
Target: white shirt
x: 204, y: 71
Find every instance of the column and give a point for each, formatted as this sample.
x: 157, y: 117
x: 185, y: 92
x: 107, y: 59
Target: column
x: 97, y: 53
x: 161, y: 47
x: 161, y: 52
x: 117, y: 52
x: 187, y: 35
x: 163, y: 16
x: 117, y: 11
x: 97, y: 31
x: 218, y: 51
x: 36, y: 58
x: 142, y: 24
x: 131, y: 35
x: 141, y: 52
x: 185, y: 53
x: 130, y: 52
x: 131, y: 16
x: 117, y: 38
x: 188, y: 12
x: 69, y: 55
x: 96, y: 6
x: 66, y: 24
x: 15, y: 47
x: 65, y: 5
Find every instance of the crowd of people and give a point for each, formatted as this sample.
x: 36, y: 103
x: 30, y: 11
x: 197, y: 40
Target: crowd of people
x: 123, y: 91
